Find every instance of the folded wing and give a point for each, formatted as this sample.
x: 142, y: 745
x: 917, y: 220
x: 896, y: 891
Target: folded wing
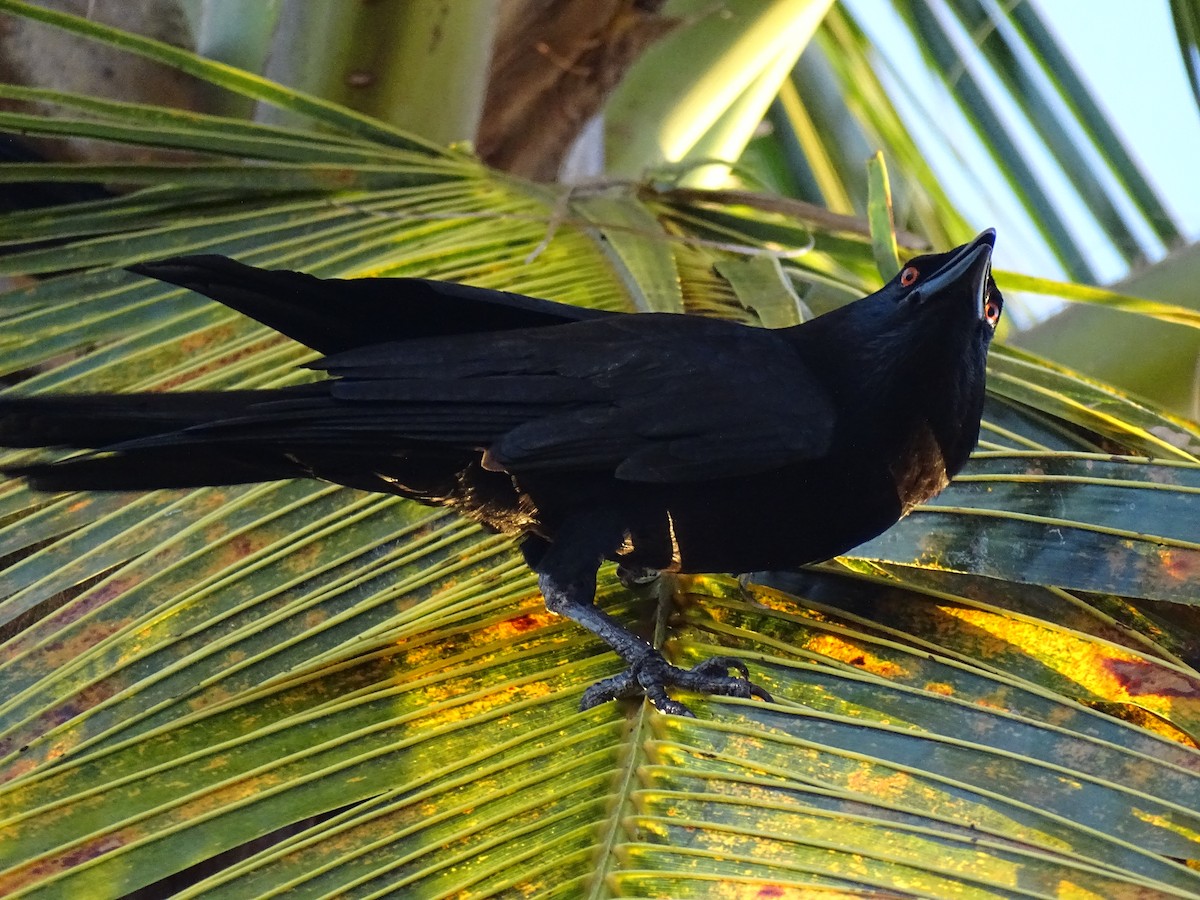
x: 642, y: 398
x: 656, y: 398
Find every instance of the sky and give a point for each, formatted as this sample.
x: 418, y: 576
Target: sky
x: 1137, y: 77
x: 1125, y: 67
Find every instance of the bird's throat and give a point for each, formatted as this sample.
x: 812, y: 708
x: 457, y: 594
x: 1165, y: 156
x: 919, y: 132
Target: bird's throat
x: 920, y: 469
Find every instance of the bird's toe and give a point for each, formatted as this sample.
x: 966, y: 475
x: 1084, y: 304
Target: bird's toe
x: 652, y: 675
x: 636, y: 576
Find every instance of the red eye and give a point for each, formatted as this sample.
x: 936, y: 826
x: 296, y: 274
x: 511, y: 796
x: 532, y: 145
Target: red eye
x: 991, y: 312
x: 909, y: 276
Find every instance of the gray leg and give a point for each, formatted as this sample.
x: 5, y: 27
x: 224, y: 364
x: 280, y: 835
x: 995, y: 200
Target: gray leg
x: 567, y: 576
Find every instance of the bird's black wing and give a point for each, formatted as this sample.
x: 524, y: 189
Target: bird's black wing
x: 654, y: 398
x: 648, y: 398
x: 333, y: 315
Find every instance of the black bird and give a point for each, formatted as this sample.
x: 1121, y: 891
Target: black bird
x: 662, y: 442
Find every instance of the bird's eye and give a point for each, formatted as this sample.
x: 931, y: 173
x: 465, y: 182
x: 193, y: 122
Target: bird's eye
x: 909, y: 276
x: 991, y: 312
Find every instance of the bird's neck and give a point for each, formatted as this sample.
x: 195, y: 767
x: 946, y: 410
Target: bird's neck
x: 923, y: 404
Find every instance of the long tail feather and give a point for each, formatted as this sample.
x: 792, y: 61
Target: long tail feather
x: 332, y: 315
x: 99, y: 420
x: 151, y: 469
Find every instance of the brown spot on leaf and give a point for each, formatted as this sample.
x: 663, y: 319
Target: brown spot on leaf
x: 525, y: 623
x: 1180, y: 565
x: 1141, y: 679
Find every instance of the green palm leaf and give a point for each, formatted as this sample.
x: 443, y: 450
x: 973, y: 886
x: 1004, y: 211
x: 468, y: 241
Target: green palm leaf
x: 363, y: 695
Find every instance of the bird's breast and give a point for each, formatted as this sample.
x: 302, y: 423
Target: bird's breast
x: 919, y: 468
x: 798, y: 514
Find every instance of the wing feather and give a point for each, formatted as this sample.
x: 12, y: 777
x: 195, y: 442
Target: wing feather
x: 647, y: 397
x: 650, y: 398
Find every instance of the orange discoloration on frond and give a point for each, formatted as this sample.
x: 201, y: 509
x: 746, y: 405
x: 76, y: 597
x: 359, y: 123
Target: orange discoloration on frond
x: 1182, y: 567
x: 868, y: 781
x: 1069, y: 891
x: 1104, y: 673
x: 480, y: 706
x: 522, y: 625
x: 835, y: 647
x: 35, y: 873
x: 314, y: 619
x: 67, y: 650
x: 239, y: 548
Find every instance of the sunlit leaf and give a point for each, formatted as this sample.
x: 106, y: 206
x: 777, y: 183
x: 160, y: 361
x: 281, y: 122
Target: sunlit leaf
x: 360, y: 695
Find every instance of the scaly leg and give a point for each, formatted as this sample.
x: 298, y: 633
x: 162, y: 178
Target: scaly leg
x: 567, y: 576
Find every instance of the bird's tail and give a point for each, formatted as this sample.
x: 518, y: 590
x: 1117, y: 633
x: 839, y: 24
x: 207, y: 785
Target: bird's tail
x: 333, y: 315
x: 114, y: 421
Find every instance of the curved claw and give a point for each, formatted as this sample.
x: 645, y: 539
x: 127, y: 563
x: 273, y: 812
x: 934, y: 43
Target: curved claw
x: 719, y: 666
x: 636, y: 576
x: 651, y: 675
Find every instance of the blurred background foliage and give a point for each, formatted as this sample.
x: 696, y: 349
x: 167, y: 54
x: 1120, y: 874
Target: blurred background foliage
x: 246, y: 691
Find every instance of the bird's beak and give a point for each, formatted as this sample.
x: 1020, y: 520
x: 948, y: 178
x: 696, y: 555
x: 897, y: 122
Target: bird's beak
x: 967, y: 270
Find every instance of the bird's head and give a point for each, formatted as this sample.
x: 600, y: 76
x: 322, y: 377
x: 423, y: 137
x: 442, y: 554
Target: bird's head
x: 917, y: 347
x: 948, y: 306
x: 939, y: 307
x: 953, y: 287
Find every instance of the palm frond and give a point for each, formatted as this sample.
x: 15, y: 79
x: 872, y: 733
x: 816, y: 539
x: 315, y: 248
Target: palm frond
x: 374, y: 691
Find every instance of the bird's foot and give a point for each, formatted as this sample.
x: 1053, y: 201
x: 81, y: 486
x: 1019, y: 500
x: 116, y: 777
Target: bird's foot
x: 635, y: 576
x: 651, y: 675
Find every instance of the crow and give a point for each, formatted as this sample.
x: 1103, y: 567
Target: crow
x: 663, y: 442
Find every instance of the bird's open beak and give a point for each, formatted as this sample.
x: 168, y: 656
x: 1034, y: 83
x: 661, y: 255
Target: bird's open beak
x: 966, y: 271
